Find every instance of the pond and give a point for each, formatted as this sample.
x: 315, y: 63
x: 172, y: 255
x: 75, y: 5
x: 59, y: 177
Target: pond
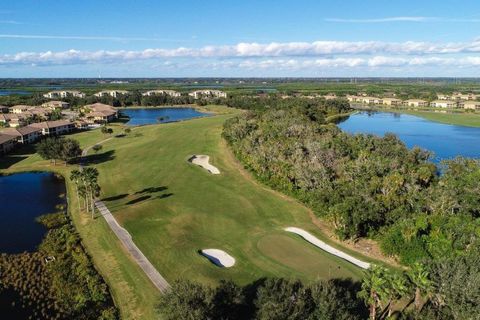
x: 23, y: 197
x: 145, y: 116
x: 446, y: 141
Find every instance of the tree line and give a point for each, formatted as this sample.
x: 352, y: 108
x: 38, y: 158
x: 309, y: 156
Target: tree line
x: 364, y: 185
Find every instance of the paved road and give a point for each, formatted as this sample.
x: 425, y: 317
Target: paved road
x: 126, y: 239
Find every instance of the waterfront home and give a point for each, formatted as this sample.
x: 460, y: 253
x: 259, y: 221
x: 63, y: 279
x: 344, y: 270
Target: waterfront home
x: 112, y: 93
x: 64, y: 94
x: 443, y: 104
x: 171, y: 93
x: 24, y: 135
x: 415, y: 103
x: 208, y: 93
x: 100, y: 113
x: 371, y: 100
x: 471, y: 105
x: 351, y: 98
x: 392, y: 101
x: 54, y: 128
x: 56, y: 105
x: 7, y: 143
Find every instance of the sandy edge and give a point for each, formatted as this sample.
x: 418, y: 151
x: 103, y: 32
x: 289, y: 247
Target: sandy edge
x: 203, y: 161
x: 322, y: 245
x: 219, y: 257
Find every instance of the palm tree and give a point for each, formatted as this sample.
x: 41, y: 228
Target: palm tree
x: 82, y: 190
x: 90, y: 177
x: 373, y: 288
x: 75, y: 176
x: 397, y: 289
x: 419, y: 277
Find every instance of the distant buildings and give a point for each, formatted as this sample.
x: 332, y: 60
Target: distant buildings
x: 64, y: 94
x: 112, y: 93
x: 392, y: 102
x: 458, y: 96
x: 55, y: 128
x: 443, y: 104
x: 208, y: 93
x: 416, y: 103
x: 470, y: 105
x: 171, y: 93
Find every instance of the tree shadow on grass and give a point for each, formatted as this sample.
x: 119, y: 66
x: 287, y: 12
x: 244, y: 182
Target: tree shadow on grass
x: 139, y: 199
x: 21, y: 152
x: 117, y: 197
x: 99, y: 158
x: 152, y: 190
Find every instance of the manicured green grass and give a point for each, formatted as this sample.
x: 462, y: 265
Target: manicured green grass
x: 173, y: 208
x: 458, y: 118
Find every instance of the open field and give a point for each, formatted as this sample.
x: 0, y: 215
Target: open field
x: 173, y: 208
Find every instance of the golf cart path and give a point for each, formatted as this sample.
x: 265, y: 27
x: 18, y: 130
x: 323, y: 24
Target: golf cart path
x: 126, y: 239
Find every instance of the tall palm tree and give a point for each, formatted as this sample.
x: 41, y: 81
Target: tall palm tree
x: 397, y: 289
x: 75, y: 176
x: 373, y: 288
x: 419, y: 277
x: 90, y: 177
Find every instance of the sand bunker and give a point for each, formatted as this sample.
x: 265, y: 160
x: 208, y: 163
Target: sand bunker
x: 322, y: 245
x: 202, y: 161
x: 219, y: 257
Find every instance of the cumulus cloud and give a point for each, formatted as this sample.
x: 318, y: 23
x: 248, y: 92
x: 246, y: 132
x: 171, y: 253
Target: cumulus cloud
x: 318, y: 54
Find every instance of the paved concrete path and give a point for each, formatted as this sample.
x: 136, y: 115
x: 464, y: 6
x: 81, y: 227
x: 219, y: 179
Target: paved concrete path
x: 126, y: 239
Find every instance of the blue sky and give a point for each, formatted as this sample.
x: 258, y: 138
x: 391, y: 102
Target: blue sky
x: 239, y: 38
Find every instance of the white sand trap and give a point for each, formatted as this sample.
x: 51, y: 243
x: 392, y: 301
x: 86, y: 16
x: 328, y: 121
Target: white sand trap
x: 322, y: 245
x: 219, y: 257
x: 202, y: 161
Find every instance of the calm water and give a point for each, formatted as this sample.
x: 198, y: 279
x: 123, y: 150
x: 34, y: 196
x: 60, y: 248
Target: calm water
x: 446, y: 141
x: 7, y: 92
x: 153, y: 115
x: 23, y: 197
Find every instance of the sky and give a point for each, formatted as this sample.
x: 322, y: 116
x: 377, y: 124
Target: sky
x: 261, y: 38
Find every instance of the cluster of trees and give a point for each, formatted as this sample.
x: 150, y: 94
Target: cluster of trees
x: 87, y: 187
x: 265, y: 299
x: 59, y: 148
x: 363, y: 184
x: 66, y: 287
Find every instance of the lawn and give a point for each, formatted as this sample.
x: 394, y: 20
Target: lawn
x: 458, y: 118
x: 173, y: 208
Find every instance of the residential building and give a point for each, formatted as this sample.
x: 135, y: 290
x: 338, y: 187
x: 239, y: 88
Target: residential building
x: 208, y: 93
x: 392, y: 101
x: 7, y: 143
x: 56, y: 105
x: 171, y: 93
x: 472, y: 105
x: 330, y: 96
x: 64, y: 94
x: 20, y: 108
x: 371, y: 100
x: 443, y: 104
x: 415, y: 103
x: 351, y: 98
x: 112, y: 93
x: 13, y: 119
x: 443, y: 97
x: 4, y: 109
x: 100, y: 113
x: 464, y: 96
x: 24, y: 135
x: 54, y: 128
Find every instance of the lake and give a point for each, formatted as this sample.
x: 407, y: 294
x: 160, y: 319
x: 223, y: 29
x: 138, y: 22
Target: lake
x: 145, y: 116
x: 23, y: 197
x: 7, y: 92
x: 446, y: 141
